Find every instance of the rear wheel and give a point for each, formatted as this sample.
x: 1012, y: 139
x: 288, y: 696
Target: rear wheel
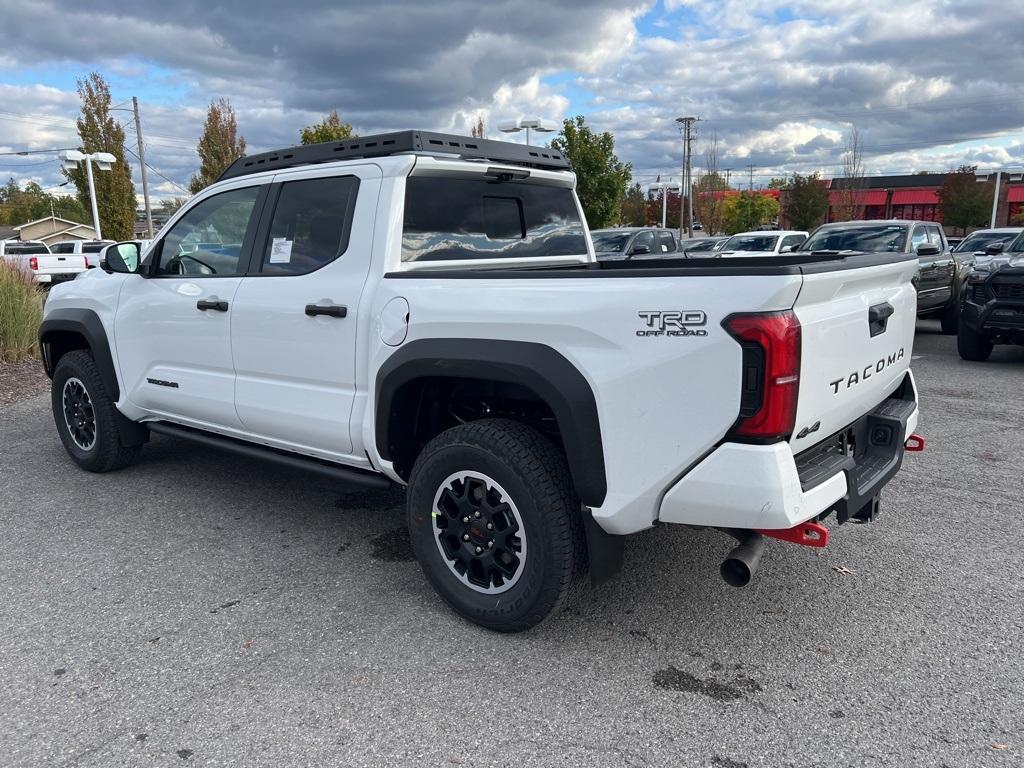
x: 495, y: 523
x: 85, y: 416
x: 972, y: 345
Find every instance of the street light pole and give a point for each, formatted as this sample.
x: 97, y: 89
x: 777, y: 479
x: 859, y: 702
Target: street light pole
x: 995, y: 200
x: 92, y: 199
x: 526, y: 124
x: 70, y: 158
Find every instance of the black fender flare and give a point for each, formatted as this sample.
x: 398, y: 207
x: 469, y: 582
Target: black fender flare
x: 537, y: 367
x: 87, y: 324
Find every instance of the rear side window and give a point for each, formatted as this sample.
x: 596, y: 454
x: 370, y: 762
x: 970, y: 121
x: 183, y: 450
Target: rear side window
x: 94, y: 247
x: 311, y: 225
x: 459, y: 218
x: 666, y: 243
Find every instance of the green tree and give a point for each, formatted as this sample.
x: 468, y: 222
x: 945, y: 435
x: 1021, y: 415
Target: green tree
x: 100, y: 132
x: 601, y: 180
x: 219, y: 146
x: 633, y: 211
x: 18, y: 206
x: 170, y: 205
x: 778, y: 183
x: 963, y: 201
x: 329, y: 129
x: 709, y: 201
x: 806, y: 201
x: 749, y: 211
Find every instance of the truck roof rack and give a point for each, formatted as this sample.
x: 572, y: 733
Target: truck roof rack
x: 384, y: 144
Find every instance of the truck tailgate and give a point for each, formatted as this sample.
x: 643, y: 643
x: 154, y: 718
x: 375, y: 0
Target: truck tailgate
x: 60, y: 264
x: 858, y: 333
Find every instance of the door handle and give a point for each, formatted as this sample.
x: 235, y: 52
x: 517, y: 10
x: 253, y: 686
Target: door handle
x: 330, y: 310
x: 215, y: 304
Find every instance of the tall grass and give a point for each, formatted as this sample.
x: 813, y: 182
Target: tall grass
x: 21, y: 311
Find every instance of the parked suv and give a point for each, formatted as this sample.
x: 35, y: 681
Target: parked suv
x: 941, y: 274
x: 993, y: 301
x: 426, y: 309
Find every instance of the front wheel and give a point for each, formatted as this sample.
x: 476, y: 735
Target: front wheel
x: 85, y: 416
x: 495, y: 523
x: 972, y: 345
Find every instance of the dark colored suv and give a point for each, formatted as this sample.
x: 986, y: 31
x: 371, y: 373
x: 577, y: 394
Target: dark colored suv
x: 941, y: 274
x: 993, y: 302
x: 623, y: 243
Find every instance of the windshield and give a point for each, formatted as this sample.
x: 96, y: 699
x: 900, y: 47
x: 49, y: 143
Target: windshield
x: 751, y: 243
x: 609, y: 242
x: 26, y: 248
x: 978, y: 241
x: 883, y: 237
x: 1017, y: 246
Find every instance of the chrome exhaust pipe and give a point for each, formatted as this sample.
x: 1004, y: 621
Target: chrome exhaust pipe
x: 740, y: 565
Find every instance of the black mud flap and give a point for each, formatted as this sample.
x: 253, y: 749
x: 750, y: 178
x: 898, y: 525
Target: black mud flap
x: 604, y: 551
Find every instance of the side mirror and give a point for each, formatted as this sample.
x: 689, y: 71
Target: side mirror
x: 640, y: 249
x: 928, y: 249
x: 122, y: 257
x: 786, y: 249
x: 993, y: 249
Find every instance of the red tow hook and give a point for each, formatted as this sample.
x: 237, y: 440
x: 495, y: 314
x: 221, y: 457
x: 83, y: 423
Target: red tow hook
x: 805, y: 534
x: 915, y: 443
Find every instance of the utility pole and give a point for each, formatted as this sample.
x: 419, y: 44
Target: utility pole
x: 686, y: 193
x: 142, y: 165
x: 751, y: 169
x: 728, y: 176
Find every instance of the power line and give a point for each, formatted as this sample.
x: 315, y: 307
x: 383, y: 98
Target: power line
x: 165, y: 178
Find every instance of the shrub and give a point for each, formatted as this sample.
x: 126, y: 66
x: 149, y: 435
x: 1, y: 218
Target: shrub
x: 21, y: 311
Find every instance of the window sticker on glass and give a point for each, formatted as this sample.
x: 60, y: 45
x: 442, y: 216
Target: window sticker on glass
x: 280, y: 250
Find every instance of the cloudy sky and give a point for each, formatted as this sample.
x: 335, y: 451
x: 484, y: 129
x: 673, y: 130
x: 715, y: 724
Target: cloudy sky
x: 929, y: 85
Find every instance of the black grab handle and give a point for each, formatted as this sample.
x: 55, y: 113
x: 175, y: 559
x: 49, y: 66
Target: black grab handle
x: 331, y: 310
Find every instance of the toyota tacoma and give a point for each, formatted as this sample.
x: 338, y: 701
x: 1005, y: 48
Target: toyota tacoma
x: 427, y: 310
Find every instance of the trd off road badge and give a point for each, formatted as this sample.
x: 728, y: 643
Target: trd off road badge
x: 673, y: 323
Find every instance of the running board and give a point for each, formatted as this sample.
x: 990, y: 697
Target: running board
x: 284, y: 459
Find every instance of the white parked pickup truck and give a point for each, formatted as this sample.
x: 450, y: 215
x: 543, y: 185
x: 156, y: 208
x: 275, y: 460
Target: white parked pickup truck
x: 426, y: 310
x: 35, y: 257
x: 89, y: 248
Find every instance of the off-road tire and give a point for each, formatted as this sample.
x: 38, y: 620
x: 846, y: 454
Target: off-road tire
x: 534, y: 474
x: 972, y: 345
x: 106, y: 453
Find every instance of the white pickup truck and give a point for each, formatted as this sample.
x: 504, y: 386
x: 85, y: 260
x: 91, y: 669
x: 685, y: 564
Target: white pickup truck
x: 35, y: 257
x: 426, y: 309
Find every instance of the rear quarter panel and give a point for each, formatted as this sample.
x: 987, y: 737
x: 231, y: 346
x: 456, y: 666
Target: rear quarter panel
x: 663, y: 401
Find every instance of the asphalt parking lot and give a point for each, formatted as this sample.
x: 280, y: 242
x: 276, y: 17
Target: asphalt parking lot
x: 200, y: 610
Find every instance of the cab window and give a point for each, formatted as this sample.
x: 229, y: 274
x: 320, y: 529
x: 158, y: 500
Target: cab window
x: 311, y: 225
x: 207, y: 240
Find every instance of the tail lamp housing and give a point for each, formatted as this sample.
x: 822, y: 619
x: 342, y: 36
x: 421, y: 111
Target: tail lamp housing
x: 771, y: 343
x: 33, y: 263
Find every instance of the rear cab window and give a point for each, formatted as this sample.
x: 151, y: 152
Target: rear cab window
x: 490, y: 219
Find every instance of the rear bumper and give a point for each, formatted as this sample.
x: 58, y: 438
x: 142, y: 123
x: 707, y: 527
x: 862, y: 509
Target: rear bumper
x: 52, y: 278
x: 767, y: 487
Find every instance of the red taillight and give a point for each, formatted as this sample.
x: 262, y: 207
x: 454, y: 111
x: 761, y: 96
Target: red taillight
x: 771, y: 373
x: 33, y: 263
